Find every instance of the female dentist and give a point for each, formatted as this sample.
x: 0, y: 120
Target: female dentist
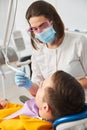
x: 53, y: 48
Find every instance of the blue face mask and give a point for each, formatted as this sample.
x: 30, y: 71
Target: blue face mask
x: 47, y: 35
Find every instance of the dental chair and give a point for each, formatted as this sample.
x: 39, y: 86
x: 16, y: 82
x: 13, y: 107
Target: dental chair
x: 72, y: 122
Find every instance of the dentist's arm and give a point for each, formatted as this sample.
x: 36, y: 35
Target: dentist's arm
x: 22, y: 81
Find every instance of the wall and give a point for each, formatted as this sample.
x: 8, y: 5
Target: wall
x: 3, y: 15
x: 73, y: 13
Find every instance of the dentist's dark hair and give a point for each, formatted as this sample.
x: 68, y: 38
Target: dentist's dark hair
x: 42, y: 8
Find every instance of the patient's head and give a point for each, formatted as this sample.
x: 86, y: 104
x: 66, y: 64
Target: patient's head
x: 60, y: 95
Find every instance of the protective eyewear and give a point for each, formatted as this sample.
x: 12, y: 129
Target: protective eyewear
x: 41, y: 27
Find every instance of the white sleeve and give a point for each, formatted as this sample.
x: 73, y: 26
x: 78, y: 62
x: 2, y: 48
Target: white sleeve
x: 82, y: 52
x: 37, y: 77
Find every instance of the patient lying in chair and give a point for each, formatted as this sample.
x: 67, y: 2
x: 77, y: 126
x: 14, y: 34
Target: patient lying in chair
x: 58, y: 95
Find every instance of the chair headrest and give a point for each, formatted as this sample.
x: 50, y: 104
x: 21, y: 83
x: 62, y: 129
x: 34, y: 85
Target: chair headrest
x: 70, y: 118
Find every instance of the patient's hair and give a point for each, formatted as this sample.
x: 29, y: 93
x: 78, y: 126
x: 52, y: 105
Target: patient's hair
x: 66, y: 96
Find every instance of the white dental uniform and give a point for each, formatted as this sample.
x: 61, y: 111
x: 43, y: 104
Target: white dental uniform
x: 70, y: 56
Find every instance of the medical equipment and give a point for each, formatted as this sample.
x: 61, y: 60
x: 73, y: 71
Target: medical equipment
x: 19, y: 42
x: 11, y: 67
x: 8, y: 54
x: 11, y: 55
x: 72, y: 122
x: 5, y: 51
x: 18, y: 39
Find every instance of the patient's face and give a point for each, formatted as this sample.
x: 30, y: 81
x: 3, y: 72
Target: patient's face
x: 40, y: 94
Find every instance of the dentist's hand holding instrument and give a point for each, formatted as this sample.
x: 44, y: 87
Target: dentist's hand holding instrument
x: 22, y: 80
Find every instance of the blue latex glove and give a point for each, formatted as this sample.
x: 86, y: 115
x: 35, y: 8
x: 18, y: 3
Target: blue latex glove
x: 21, y: 80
